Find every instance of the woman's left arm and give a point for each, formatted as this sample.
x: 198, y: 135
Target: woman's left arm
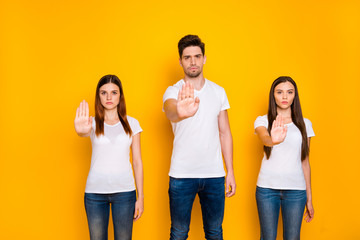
x: 309, y: 213
x: 139, y: 175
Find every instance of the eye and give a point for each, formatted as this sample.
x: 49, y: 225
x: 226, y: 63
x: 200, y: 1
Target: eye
x: 114, y: 92
x: 186, y: 57
x: 103, y: 93
x: 290, y: 92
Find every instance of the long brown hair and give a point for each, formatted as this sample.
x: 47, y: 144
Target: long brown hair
x: 296, y: 116
x: 99, y: 108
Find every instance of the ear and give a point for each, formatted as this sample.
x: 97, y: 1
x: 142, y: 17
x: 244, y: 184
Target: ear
x: 204, y: 59
x: 180, y: 62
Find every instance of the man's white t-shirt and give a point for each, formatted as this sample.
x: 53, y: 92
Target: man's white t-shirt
x: 283, y: 170
x: 110, y: 169
x: 196, y: 147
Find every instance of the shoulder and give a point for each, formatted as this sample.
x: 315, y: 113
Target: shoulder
x: 307, y: 122
x: 214, y: 86
x: 132, y: 120
x: 261, y: 121
x: 176, y: 86
x: 172, y: 91
x: 93, y: 123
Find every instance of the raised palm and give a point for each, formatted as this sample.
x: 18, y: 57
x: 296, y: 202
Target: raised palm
x: 278, y: 130
x: 187, y: 105
x: 82, y: 120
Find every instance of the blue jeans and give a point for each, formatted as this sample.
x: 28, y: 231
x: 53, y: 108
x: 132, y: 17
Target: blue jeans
x: 97, y: 208
x: 182, y: 192
x: 292, y: 203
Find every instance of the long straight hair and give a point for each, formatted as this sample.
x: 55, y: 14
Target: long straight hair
x: 296, y: 116
x: 121, y: 108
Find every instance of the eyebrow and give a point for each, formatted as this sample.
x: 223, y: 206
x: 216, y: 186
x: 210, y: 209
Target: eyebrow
x: 291, y: 89
x: 193, y: 55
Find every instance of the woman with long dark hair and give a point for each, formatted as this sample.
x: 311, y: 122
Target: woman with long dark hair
x: 110, y: 183
x: 284, y: 178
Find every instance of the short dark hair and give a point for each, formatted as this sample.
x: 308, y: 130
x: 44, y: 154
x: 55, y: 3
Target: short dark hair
x: 190, y: 40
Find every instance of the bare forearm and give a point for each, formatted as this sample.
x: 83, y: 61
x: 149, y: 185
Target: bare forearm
x: 267, y: 141
x: 139, y: 177
x: 307, y: 176
x: 227, y: 151
x: 171, y: 110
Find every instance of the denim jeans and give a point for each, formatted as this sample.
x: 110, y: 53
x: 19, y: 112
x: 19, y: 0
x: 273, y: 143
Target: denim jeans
x: 97, y: 208
x: 182, y: 192
x: 292, y: 203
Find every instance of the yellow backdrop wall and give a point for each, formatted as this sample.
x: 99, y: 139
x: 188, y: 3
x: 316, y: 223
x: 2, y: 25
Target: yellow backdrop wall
x: 52, y: 53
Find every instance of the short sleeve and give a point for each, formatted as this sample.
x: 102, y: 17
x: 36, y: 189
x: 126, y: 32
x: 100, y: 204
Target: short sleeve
x: 171, y: 92
x: 135, y: 126
x: 224, y: 101
x: 93, y: 128
x: 309, y: 128
x: 261, y: 121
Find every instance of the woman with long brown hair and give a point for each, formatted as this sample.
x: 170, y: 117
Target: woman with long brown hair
x: 284, y: 179
x: 110, y: 183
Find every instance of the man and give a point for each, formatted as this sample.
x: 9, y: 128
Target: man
x: 197, y: 109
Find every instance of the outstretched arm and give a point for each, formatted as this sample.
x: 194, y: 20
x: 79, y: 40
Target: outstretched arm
x: 227, y: 151
x: 277, y: 134
x: 185, y: 106
x: 309, y: 213
x: 83, y: 121
x: 139, y: 175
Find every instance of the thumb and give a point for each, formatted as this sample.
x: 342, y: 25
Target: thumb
x: 90, y: 120
x: 197, y: 100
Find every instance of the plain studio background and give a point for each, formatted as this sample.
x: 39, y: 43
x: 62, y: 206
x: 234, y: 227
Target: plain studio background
x: 52, y: 55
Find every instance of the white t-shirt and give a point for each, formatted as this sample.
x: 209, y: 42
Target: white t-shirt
x: 110, y: 169
x: 196, y: 148
x: 283, y: 170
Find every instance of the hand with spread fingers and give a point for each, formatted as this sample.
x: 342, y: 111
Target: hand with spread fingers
x: 278, y: 130
x: 187, y: 105
x: 83, y: 121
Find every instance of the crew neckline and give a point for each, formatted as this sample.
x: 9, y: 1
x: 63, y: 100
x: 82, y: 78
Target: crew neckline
x: 202, y: 89
x: 112, y: 125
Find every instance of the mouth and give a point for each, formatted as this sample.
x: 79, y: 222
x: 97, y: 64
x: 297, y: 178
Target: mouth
x: 109, y: 103
x: 284, y: 102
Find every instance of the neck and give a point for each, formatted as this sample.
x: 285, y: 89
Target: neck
x: 198, y: 82
x: 111, y: 115
x: 286, y: 113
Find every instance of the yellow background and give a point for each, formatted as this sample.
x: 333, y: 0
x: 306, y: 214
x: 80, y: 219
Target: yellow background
x: 52, y: 54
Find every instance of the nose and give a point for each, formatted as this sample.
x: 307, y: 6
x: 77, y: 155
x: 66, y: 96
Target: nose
x: 192, y: 61
x: 285, y: 96
x: 108, y: 96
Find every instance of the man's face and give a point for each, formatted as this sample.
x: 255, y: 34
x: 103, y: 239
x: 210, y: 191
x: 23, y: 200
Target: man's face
x: 192, y: 61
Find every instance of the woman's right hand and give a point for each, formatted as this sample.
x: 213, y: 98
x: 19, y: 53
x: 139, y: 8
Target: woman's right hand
x: 82, y: 121
x: 278, y: 130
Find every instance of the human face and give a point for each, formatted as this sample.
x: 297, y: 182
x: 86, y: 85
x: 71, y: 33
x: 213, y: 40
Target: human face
x: 192, y: 61
x: 109, y: 95
x: 284, y: 94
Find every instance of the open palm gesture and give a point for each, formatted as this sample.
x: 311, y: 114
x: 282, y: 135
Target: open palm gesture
x: 187, y: 105
x: 82, y: 121
x: 278, y: 130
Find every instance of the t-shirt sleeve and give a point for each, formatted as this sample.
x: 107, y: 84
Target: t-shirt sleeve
x: 224, y: 101
x: 171, y: 92
x: 309, y: 128
x: 135, y: 126
x: 93, y: 128
x: 261, y: 121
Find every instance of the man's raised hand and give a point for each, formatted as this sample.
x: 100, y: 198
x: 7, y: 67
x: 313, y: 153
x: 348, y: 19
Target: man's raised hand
x: 187, y: 105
